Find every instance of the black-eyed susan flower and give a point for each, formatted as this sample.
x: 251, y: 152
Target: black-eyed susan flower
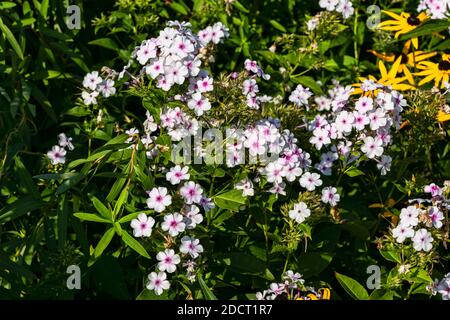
x: 387, y: 78
x: 322, y: 294
x: 403, y: 23
x: 408, y: 59
x: 437, y: 72
x: 442, y: 116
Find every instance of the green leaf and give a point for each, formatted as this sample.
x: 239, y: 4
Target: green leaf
x: 313, y: 263
x: 231, y: 200
x: 18, y: 208
x: 353, y: 172
x: 91, y: 217
x: 101, y: 208
x: 240, y: 7
x: 428, y: 28
x: 69, y: 183
x: 308, y: 82
x: 104, y: 242
x: 245, y: 263
x: 107, y: 43
x: 24, y: 178
x: 122, y: 199
x: 63, y: 217
x: 151, y: 295
x: 207, y: 293
x: 130, y: 216
x: 11, y: 39
x: 352, y: 287
x: 278, y: 26
x: 393, y: 256
x: 134, y: 244
x: 179, y: 8
x: 381, y: 294
x: 78, y: 112
x: 6, y: 5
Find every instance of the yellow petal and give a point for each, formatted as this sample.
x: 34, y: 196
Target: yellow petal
x: 442, y: 116
x: 393, y: 72
x: 382, y: 68
x: 394, y: 15
x: 408, y: 75
x: 427, y: 79
x: 415, y: 42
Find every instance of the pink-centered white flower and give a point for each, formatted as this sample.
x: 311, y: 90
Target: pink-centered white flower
x: 173, y: 224
x: 250, y: 88
x: 274, y: 172
x: 57, y: 155
x: 372, y: 147
x: 65, y: 141
x: 89, y: 97
x: 176, y: 72
x: 436, y: 217
x: 199, y: 104
x: 191, y: 192
x: 176, y: 174
x: 402, y: 232
x: 142, y: 226
x: 205, y: 85
x: 246, y: 186
x: 422, y: 240
x: 193, y: 217
x: 377, y: 119
x: 300, y: 212
x: 91, y: 80
x: 330, y: 195
x: 310, y: 181
x: 146, y: 52
x: 364, y: 104
x: 320, y: 138
x: 168, y: 260
x: 434, y: 189
x: 191, y: 246
x: 158, y: 199
x: 409, y: 216
x: 158, y: 282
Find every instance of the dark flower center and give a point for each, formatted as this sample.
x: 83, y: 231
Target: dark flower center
x: 404, y: 58
x: 444, y: 65
x: 413, y: 21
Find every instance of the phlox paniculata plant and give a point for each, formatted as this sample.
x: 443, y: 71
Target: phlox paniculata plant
x: 416, y: 238
x: 212, y: 149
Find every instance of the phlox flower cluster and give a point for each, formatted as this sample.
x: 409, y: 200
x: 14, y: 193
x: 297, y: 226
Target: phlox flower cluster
x: 442, y: 287
x: 175, y: 57
x: 436, y: 9
x: 344, y: 7
x: 250, y: 88
x: 350, y: 131
x: 419, y: 221
x: 94, y: 85
x: 287, y: 162
x: 58, y: 153
x: 174, y: 224
x: 292, y: 288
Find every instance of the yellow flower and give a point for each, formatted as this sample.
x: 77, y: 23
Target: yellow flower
x: 442, y: 116
x: 323, y: 294
x: 403, y: 23
x: 408, y: 59
x: 387, y: 78
x: 439, y: 72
